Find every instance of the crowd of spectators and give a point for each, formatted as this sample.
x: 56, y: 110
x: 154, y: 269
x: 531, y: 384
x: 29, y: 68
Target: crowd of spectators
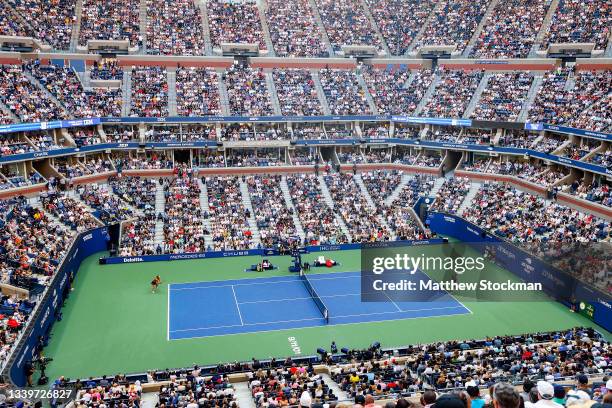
x: 549, y: 143
x: 63, y: 83
x: 305, y: 158
x: 108, y: 392
x: 191, y: 133
x: 106, y: 69
x: 12, y: 25
x: 254, y: 158
x: 51, y: 21
x: 24, y: 99
x: 109, y: 207
x: 518, y: 139
x: 381, y: 184
x: 577, y: 22
x: 289, y: 386
x: 399, y: 22
x: 548, y: 177
x: 183, y: 216
x: 149, y: 92
x: 344, y: 94
x: 138, y: 235
x: 246, y: 131
x: 453, y: 23
x: 478, y: 163
x: 154, y: 161
x: 351, y: 156
x: 522, y: 217
x: 316, y: 217
x: 31, y: 247
x: 274, y: 219
x: 565, y: 97
x: 12, y: 144
x: 375, y: 130
x: 296, y: 92
x: 453, y: 93
x: 293, y: 29
x: 346, y: 23
x: 197, y: 92
x: 228, y: 215
x: 597, y: 193
x: 580, y: 148
x: 503, y: 97
x: 391, y: 91
x: 174, y: 27
x: 69, y: 211
x: 247, y: 91
x: 602, y: 158
x: 12, y: 176
x: 110, y: 20
x: 451, y: 194
x: 511, y: 30
x: 234, y: 22
x: 309, y: 132
x: 430, y: 159
x: 476, y: 136
x: 5, y: 118
x: 84, y: 136
x: 14, y: 318
x: 358, y: 216
x: 522, y: 169
x: 595, y: 117
x: 398, y: 213
x: 121, y: 133
x: 195, y: 389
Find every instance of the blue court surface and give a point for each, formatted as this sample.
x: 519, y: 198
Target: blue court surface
x: 203, y: 309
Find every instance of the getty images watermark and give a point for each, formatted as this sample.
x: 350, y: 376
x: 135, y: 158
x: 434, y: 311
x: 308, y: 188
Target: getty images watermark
x: 401, y: 264
x: 442, y: 272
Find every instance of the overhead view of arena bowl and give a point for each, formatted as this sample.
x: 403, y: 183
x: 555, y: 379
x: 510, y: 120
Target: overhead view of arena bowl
x: 313, y: 203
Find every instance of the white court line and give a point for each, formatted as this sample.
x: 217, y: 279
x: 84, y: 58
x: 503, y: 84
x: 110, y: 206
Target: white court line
x: 249, y: 324
x: 237, y: 306
x: 300, y: 298
x: 310, y: 327
x: 319, y: 318
x: 168, y: 321
x: 449, y: 294
x: 261, y: 283
x: 391, y: 300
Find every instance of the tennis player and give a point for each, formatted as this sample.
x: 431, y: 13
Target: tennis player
x: 155, y: 283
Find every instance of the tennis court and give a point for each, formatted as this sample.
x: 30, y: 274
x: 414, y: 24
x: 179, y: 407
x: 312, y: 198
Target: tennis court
x: 203, y: 309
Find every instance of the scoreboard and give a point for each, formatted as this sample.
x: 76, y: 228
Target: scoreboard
x: 586, y: 309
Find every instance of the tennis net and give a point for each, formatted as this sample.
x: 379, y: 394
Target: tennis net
x: 315, y: 297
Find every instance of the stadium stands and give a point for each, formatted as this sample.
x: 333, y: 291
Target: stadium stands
x: 293, y: 29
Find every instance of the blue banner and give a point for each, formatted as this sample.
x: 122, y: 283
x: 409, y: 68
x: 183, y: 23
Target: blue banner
x: 578, y: 132
x: 254, y: 252
x: 56, y: 124
x: 68, y: 151
x: 556, y: 283
x: 432, y: 121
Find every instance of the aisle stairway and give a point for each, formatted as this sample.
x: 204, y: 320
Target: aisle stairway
x: 366, y: 194
x: 205, y: 207
x: 246, y: 201
x: 330, y: 202
x: 289, y: 203
x: 467, y: 201
x: 160, y: 208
